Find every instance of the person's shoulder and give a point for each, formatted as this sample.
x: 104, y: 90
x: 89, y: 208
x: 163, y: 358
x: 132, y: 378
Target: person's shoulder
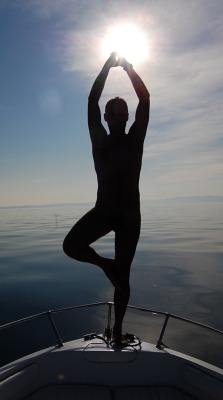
x: 135, y: 135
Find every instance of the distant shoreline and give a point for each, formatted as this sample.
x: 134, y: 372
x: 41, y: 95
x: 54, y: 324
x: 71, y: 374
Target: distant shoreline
x: 191, y: 199
x: 172, y: 200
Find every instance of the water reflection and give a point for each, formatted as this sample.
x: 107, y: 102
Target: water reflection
x: 177, y: 267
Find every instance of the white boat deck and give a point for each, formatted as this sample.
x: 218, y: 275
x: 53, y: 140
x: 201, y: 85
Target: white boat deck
x: 93, y: 371
x: 93, y: 368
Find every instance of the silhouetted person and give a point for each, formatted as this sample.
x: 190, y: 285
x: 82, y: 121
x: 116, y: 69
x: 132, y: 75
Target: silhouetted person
x: 117, y: 159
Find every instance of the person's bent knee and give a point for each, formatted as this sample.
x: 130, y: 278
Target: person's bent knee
x: 71, y: 250
x: 66, y: 247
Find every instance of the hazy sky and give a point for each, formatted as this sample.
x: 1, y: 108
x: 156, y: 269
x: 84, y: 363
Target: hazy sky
x: 50, y: 55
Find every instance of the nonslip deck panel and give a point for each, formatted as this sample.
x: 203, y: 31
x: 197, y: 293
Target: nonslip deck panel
x: 72, y: 392
x: 82, y: 392
x: 150, y: 393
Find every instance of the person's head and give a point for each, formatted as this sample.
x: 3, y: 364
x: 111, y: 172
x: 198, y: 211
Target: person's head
x: 116, y: 112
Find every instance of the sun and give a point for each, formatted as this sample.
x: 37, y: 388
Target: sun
x: 128, y: 41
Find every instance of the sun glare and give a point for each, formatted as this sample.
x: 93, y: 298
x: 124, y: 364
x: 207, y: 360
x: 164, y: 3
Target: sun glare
x: 128, y: 41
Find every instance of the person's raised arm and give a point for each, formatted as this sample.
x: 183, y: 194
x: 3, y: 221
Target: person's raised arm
x: 143, y: 108
x: 96, y: 128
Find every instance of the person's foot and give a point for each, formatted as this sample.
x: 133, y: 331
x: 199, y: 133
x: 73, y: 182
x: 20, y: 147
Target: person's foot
x: 119, y: 339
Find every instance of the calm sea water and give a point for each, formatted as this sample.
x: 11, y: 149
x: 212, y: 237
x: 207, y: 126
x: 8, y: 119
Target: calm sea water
x: 178, y: 266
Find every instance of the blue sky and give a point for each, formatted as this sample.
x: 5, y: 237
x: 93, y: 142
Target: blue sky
x: 50, y: 55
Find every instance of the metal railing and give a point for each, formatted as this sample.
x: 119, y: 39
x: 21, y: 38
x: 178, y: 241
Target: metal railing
x: 49, y: 314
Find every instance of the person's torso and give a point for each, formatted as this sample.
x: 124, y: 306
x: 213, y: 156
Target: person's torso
x: 118, y: 165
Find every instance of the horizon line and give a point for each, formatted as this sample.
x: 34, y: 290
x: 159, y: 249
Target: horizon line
x: 166, y: 199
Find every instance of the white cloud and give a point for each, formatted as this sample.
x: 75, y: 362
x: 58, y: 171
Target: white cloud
x: 184, y: 144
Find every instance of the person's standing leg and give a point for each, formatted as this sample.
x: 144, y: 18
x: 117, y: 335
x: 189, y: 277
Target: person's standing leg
x: 125, y: 246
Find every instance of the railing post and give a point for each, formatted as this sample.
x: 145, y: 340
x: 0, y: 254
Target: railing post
x: 59, y: 340
x: 108, y: 328
x: 160, y: 340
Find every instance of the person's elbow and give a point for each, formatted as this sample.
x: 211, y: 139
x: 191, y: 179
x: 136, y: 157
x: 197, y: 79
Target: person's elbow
x: 145, y: 99
x: 147, y: 96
